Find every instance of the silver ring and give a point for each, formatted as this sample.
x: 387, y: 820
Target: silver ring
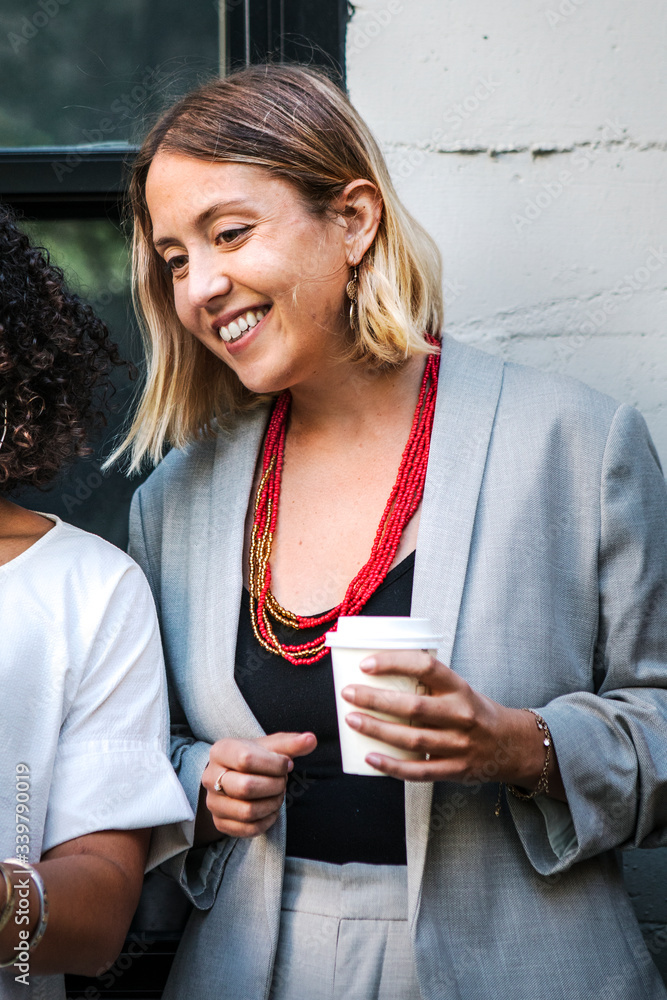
x: 218, y: 784
x: 427, y: 756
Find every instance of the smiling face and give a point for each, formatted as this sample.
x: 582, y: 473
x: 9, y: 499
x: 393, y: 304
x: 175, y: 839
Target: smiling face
x: 258, y: 277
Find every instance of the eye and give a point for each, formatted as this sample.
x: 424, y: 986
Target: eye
x: 231, y: 235
x: 175, y: 264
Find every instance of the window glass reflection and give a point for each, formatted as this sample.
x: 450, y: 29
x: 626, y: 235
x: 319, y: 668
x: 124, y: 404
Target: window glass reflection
x: 76, y: 72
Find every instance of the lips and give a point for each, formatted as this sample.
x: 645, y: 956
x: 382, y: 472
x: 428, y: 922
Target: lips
x: 242, y: 322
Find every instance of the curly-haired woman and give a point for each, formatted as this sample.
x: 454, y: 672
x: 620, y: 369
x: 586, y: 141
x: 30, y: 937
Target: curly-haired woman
x: 83, y: 772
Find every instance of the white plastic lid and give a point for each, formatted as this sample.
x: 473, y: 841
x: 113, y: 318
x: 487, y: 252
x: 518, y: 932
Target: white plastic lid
x: 376, y: 632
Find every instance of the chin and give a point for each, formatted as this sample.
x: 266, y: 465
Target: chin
x: 264, y: 385
x: 265, y: 378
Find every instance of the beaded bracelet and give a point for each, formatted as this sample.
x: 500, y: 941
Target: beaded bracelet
x: 8, y: 908
x: 38, y: 932
x: 542, y: 786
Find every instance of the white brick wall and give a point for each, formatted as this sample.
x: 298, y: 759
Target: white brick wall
x: 531, y: 139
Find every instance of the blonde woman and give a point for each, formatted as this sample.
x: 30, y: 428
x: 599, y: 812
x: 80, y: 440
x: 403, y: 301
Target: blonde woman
x: 293, y: 321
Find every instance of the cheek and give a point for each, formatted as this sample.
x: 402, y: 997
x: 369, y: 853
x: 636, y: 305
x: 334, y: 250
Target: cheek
x: 182, y: 305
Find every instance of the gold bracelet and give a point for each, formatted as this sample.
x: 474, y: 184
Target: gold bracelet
x: 8, y: 908
x: 542, y: 786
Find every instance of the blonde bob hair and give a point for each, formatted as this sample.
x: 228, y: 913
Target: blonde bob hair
x: 300, y: 126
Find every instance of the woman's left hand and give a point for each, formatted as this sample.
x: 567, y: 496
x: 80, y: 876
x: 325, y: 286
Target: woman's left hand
x: 468, y: 737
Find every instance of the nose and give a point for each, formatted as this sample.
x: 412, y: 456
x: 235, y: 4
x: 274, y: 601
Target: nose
x: 207, y: 279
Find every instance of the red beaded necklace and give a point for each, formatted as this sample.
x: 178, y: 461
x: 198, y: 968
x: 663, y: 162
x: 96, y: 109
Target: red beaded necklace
x: 403, y: 501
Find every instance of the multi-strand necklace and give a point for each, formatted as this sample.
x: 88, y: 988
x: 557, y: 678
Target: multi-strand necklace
x: 401, y: 506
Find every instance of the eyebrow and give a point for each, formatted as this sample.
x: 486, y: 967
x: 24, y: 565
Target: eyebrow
x: 203, y: 218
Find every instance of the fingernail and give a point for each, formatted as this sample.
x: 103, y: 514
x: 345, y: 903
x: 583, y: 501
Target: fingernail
x: 373, y: 759
x: 368, y: 663
x: 290, y: 766
x: 348, y: 693
x: 353, y: 720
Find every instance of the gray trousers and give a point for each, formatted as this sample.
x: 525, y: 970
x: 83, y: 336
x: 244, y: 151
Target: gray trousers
x: 344, y: 934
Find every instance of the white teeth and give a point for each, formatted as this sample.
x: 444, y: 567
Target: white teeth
x: 242, y: 323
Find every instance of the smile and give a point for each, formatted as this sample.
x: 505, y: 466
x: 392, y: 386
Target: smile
x: 246, y: 321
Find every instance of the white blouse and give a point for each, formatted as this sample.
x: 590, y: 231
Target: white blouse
x: 83, y: 707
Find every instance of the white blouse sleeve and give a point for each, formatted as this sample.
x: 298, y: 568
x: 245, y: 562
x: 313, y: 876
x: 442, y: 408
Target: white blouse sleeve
x: 111, y: 769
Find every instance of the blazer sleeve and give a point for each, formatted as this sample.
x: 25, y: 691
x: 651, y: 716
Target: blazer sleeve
x: 611, y: 745
x: 197, y: 870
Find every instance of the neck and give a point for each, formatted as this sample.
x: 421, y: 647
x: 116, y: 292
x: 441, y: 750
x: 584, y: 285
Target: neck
x: 351, y: 399
x: 7, y: 509
x: 18, y: 523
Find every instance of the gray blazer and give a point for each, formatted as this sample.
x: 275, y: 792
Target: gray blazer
x: 542, y: 559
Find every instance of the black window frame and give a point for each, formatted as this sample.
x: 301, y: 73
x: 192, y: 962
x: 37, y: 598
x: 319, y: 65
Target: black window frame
x: 76, y: 182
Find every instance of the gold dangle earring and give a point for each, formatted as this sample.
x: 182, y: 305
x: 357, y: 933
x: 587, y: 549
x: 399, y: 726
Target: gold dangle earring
x: 352, y: 294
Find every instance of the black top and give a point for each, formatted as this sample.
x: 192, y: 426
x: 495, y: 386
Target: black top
x: 331, y: 816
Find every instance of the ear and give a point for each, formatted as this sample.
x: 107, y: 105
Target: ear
x: 359, y: 205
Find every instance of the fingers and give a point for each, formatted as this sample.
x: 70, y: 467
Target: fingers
x: 235, y: 829
x: 253, y: 777
x: 416, y: 709
x: 421, y: 741
x: 413, y: 663
x: 245, y: 811
x: 249, y: 757
x: 289, y: 744
x: 247, y: 804
x: 412, y: 770
x: 250, y: 787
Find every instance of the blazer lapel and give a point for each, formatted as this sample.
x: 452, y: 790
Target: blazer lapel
x: 235, y: 462
x: 468, y: 392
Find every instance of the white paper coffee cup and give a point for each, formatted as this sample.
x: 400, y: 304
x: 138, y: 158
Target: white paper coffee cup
x: 356, y: 638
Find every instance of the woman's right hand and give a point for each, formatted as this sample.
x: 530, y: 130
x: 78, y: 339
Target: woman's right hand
x: 254, y: 777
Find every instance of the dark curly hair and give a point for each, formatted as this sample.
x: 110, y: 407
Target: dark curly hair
x: 55, y: 359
